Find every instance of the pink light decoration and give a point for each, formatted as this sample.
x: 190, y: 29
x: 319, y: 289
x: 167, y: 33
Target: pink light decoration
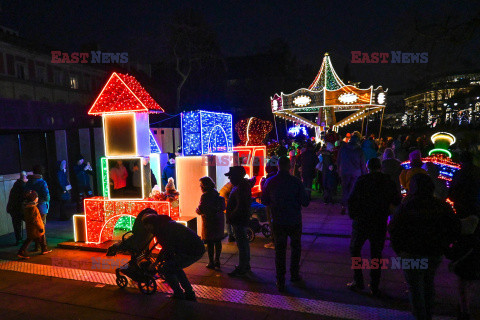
x: 101, y: 215
x: 123, y: 93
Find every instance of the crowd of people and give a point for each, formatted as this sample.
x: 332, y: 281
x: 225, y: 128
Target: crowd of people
x: 408, y: 206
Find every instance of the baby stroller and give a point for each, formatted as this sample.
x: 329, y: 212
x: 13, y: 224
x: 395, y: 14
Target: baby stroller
x: 137, y: 244
x: 258, y: 221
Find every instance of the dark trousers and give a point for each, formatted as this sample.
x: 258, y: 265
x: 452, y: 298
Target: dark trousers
x: 40, y: 241
x: 281, y: 233
x: 243, y: 246
x: 421, y: 288
x: 17, y: 226
x: 348, y: 182
x: 174, y: 274
x: 376, y: 238
x: 307, y: 182
x: 328, y: 194
x: 214, y: 249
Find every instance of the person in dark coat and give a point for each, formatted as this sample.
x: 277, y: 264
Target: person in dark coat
x: 308, y: 161
x: 465, y: 193
x: 423, y: 229
x: 36, y: 183
x: 351, y: 165
x: 34, y: 224
x: 392, y: 167
x: 285, y: 195
x: 169, y: 170
x: 271, y: 169
x: 64, y: 188
x: 83, y: 171
x: 14, y: 205
x: 181, y: 247
x: 211, y: 209
x: 238, y: 215
x: 369, y: 207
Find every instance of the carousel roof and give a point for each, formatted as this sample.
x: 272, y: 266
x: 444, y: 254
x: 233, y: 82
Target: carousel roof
x: 327, y: 77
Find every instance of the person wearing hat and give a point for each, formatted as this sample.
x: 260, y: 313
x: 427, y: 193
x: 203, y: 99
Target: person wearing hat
x: 169, y: 170
x: 415, y: 167
x: 238, y: 215
x: 181, y: 247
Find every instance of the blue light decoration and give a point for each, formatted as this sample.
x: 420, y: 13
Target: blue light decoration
x: 153, y: 145
x: 295, y: 131
x: 206, y: 132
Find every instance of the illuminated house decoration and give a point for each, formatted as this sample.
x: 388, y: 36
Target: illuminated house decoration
x: 253, y: 160
x: 124, y: 106
x: 205, y: 132
x: 326, y: 96
x: 253, y: 131
x: 296, y: 130
x: 441, y: 156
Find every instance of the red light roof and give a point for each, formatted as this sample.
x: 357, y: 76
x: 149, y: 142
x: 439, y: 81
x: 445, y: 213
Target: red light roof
x: 123, y: 93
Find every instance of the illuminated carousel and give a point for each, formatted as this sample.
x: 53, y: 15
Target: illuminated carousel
x: 324, y: 98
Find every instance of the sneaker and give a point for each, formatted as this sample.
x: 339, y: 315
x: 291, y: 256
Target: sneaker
x: 190, y: 296
x: 210, y: 265
x: 281, y: 285
x: 217, y: 264
x: 355, y: 287
x: 46, y: 251
x: 237, y: 272
x: 22, y: 255
x: 270, y: 245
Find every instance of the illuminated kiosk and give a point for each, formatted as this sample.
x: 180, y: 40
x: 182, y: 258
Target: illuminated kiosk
x: 251, y: 153
x: 124, y: 106
x: 207, y: 146
x: 326, y: 96
x: 441, y: 156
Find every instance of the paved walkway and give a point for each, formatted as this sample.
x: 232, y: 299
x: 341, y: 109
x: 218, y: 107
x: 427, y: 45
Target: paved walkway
x: 325, y: 266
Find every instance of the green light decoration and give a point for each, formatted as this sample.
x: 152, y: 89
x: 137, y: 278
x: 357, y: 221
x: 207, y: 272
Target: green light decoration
x: 104, y: 164
x: 125, y: 223
x: 438, y: 150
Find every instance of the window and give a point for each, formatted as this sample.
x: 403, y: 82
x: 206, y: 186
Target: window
x: 57, y: 77
x: 20, y: 71
x: 73, y: 82
x: 41, y: 74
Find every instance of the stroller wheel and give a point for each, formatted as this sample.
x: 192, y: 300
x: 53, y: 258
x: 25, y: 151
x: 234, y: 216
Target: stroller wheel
x: 266, y: 230
x: 122, y: 281
x: 250, y: 235
x: 148, y: 287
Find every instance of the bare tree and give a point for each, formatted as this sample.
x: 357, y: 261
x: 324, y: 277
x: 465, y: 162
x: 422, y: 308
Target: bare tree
x: 193, y: 44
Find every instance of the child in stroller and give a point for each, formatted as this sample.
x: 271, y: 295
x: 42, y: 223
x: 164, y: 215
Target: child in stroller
x: 137, y: 244
x: 258, y: 221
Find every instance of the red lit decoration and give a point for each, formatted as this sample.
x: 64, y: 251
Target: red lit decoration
x: 253, y: 156
x: 252, y: 131
x: 101, y: 215
x: 123, y: 93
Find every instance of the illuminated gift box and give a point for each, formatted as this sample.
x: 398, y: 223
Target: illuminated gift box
x: 206, y: 132
x: 102, y: 214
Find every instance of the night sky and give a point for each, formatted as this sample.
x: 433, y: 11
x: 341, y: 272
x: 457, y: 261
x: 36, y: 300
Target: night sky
x: 248, y: 26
